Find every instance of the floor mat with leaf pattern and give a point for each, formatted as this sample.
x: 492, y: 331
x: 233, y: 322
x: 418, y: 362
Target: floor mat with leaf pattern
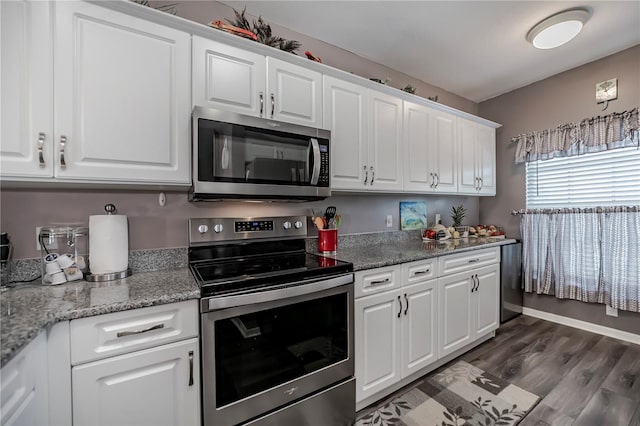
x: 458, y: 396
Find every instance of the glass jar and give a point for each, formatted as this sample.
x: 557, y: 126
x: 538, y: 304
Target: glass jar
x: 65, y: 253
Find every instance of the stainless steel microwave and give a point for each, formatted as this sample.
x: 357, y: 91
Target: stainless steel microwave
x: 242, y: 157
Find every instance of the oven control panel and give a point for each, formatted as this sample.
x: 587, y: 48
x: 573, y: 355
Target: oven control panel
x: 213, y: 230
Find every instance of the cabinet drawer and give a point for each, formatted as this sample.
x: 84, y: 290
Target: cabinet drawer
x: 121, y: 332
x: 374, y: 281
x: 419, y: 271
x: 467, y: 261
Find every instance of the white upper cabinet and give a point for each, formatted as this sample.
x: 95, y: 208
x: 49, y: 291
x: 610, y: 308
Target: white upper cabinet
x: 122, y: 105
x: 477, y: 153
x: 233, y: 79
x: 385, y: 142
x: 26, y: 91
x: 345, y: 115
x: 430, y: 153
x: 122, y: 97
x: 228, y: 78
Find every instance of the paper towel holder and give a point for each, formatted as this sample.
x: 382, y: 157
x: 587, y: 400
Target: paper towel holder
x: 111, y: 276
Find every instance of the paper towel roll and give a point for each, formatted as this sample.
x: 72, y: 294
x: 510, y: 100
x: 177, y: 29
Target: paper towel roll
x: 108, y: 243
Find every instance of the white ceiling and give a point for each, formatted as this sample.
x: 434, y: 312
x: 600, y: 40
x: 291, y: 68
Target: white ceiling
x: 475, y: 49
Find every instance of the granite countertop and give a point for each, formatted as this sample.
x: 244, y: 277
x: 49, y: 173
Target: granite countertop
x: 29, y: 308
x: 376, y: 255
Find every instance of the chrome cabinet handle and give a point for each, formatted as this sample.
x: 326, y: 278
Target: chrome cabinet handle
x: 476, y: 185
x: 190, y: 368
x: 399, y: 303
x: 130, y: 333
x: 366, y: 174
x: 477, y: 282
x: 373, y: 175
x: 261, y: 103
x: 432, y: 181
x: 437, y: 175
x: 481, y: 183
x: 407, y: 308
x: 41, y: 162
x: 386, y: 280
x: 425, y: 271
x: 473, y: 284
x: 273, y: 104
x: 63, y: 142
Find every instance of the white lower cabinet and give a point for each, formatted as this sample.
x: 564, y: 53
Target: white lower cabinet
x: 468, y: 307
x: 395, y: 335
x: 409, y: 318
x: 24, y: 388
x: 157, y: 386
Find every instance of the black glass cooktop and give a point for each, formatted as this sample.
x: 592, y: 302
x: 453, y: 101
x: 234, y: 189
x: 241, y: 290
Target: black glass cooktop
x: 225, y: 269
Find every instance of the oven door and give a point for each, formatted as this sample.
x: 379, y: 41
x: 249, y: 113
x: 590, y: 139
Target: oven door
x: 274, y: 348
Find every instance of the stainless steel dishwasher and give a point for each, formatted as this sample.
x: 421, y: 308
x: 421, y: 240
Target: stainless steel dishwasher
x: 511, y: 295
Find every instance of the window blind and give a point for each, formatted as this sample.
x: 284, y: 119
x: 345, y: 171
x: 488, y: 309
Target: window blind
x: 607, y: 178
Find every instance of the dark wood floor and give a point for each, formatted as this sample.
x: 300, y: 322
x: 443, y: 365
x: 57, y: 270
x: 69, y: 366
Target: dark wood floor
x: 582, y: 378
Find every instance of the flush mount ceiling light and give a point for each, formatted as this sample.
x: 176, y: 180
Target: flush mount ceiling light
x: 558, y: 29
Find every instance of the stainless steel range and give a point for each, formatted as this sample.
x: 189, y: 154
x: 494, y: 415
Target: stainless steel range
x: 276, y: 324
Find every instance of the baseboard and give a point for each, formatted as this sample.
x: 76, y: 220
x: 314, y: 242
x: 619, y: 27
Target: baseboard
x: 583, y: 325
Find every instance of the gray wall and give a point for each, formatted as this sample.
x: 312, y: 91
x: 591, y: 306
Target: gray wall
x: 563, y: 98
x: 152, y: 226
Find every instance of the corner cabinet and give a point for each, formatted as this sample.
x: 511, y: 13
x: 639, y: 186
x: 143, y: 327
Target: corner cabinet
x: 430, y: 154
x: 477, y: 153
x: 121, y: 114
x: 24, y: 386
x: 233, y: 79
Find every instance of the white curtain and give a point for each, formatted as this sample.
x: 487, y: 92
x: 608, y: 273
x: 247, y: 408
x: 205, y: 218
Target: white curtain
x: 591, y: 255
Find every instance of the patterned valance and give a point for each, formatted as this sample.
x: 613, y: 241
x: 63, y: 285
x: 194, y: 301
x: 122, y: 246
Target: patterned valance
x: 615, y: 130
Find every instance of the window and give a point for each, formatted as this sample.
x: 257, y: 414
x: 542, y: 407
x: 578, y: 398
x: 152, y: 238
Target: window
x: 607, y: 178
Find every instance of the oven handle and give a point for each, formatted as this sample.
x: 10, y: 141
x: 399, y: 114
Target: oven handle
x: 277, y: 293
x: 315, y: 146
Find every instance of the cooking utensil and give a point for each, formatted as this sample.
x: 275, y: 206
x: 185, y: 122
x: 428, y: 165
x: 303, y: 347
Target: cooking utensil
x: 319, y: 222
x: 329, y: 214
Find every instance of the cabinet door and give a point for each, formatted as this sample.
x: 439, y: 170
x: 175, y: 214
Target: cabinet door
x: 487, y: 296
x: 295, y: 93
x: 122, y: 114
x: 345, y: 115
x: 149, y: 387
x: 377, y: 343
x: 418, y: 174
x: 23, y: 386
x: 467, y: 175
x: 26, y: 89
x: 444, y: 160
x: 419, y: 331
x: 455, y: 313
x: 228, y: 78
x: 486, y: 157
x: 385, y: 142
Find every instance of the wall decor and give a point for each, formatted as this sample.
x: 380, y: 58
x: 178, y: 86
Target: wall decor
x: 262, y: 30
x: 413, y: 215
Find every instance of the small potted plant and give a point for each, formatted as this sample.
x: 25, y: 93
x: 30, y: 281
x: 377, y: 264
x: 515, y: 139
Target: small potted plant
x: 457, y: 214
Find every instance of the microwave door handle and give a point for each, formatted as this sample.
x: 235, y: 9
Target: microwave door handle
x: 315, y: 146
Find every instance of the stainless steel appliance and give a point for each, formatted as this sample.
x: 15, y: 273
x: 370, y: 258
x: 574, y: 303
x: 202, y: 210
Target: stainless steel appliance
x: 238, y: 156
x: 277, y: 342
x: 511, y: 292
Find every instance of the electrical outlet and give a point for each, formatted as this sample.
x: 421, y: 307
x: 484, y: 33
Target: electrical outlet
x: 389, y: 221
x: 612, y: 312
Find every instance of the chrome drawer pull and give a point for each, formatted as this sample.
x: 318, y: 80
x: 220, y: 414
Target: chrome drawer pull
x: 129, y: 333
x: 425, y: 271
x: 190, y: 368
x: 41, y: 150
x: 386, y: 280
x: 474, y: 260
x: 63, y: 142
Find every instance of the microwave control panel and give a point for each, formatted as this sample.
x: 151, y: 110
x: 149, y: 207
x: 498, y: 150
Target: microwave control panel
x: 323, y: 179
